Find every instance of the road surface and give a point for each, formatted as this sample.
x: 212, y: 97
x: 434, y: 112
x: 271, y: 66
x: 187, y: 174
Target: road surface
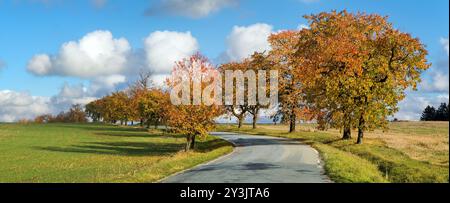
x: 258, y: 159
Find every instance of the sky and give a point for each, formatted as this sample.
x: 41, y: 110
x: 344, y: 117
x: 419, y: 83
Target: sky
x: 54, y: 53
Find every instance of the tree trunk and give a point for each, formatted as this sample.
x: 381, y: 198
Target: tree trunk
x: 132, y: 123
x: 360, y: 130
x: 190, y: 142
x: 156, y: 125
x: 292, y: 121
x: 240, y: 120
x: 254, y: 121
x: 141, y: 122
x: 347, y: 132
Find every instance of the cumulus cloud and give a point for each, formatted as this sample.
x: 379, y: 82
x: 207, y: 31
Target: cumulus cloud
x: 412, y: 107
x: 433, y: 90
x: 189, y: 8
x: 105, y: 84
x: 243, y: 41
x: 21, y: 105
x: 437, y: 77
x: 164, y: 48
x: 69, y: 95
x: 96, y: 54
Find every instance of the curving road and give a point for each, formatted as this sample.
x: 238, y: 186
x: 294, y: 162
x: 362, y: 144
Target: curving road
x: 258, y: 159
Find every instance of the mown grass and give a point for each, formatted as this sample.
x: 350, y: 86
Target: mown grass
x: 55, y: 153
x: 384, y: 157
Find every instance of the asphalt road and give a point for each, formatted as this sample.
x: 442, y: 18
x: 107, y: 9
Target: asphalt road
x: 258, y: 159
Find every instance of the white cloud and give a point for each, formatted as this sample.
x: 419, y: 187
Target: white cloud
x: 164, y: 48
x: 96, y: 54
x: 105, y: 84
x: 190, y: 8
x: 435, y: 80
x: 444, y: 43
x: 21, y: 105
x: 412, y: 107
x: 244, y: 41
x: 69, y: 95
x: 438, y: 82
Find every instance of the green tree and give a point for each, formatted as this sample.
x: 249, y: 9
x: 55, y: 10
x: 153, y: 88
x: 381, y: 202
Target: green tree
x: 429, y: 114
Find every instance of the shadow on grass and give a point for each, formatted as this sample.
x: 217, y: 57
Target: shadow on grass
x: 209, y: 145
x: 95, y: 127
x: 120, y: 148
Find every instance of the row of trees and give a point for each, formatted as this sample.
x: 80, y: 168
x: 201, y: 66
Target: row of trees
x: 431, y: 114
x: 348, y: 71
x: 140, y: 102
x: 152, y: 106
x: 75, y: 114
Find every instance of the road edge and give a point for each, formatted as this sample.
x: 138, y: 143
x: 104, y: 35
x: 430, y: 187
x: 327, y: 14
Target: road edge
x: 199, y: 165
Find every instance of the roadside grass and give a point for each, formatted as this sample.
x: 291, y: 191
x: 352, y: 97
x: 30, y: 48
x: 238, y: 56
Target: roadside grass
x: 384, y: 157
x: 86, y: 153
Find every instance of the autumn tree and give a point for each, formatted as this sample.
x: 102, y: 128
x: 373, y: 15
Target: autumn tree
x: 240, y: 111
x: 153, y: 107
x: 46, y: 118
x: 283, y: 55
x: 194, y: 117
x: 76, y: 114
x: 138, y: 93
x: 356, y: 69
x: 259, y: 63
x: 94, y: 110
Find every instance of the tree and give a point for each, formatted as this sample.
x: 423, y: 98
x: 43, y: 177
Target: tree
x: 283, y: 55
x: 356, y: 69
x: 193, y: 119
x: 94, y: 110
x: 259, y: 62
x: 429, y: 114
x: 138, y: 93
x: 46, y: 118
x: 442, y: 112
x: 240, y: 111
x: 76, y: 114
x: 153, y: 107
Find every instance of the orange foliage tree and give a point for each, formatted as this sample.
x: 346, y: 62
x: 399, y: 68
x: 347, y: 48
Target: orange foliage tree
x: 356, y: 68
x: 193, y: 119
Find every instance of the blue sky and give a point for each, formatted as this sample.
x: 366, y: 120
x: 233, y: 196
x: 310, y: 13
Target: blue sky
x: 32, y: 27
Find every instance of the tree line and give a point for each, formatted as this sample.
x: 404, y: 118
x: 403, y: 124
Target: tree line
x: 346, y: 71
x: 432, y: 114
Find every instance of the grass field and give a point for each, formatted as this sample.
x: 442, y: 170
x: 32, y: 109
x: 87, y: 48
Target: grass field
x: 407, y: 152
x: 57, y: 153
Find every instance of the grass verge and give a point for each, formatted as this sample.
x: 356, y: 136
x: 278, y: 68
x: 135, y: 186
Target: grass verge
x: 374, y: 161
x: 90, y: 153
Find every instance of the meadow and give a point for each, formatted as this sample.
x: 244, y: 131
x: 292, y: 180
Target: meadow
x: 91, y: 153
x: 408, y: 152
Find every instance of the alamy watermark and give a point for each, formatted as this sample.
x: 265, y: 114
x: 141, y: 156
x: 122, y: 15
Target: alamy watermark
x: 208, y: 86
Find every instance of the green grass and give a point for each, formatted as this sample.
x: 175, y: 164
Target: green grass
x: 382, y: 158
x: 54, y: 153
